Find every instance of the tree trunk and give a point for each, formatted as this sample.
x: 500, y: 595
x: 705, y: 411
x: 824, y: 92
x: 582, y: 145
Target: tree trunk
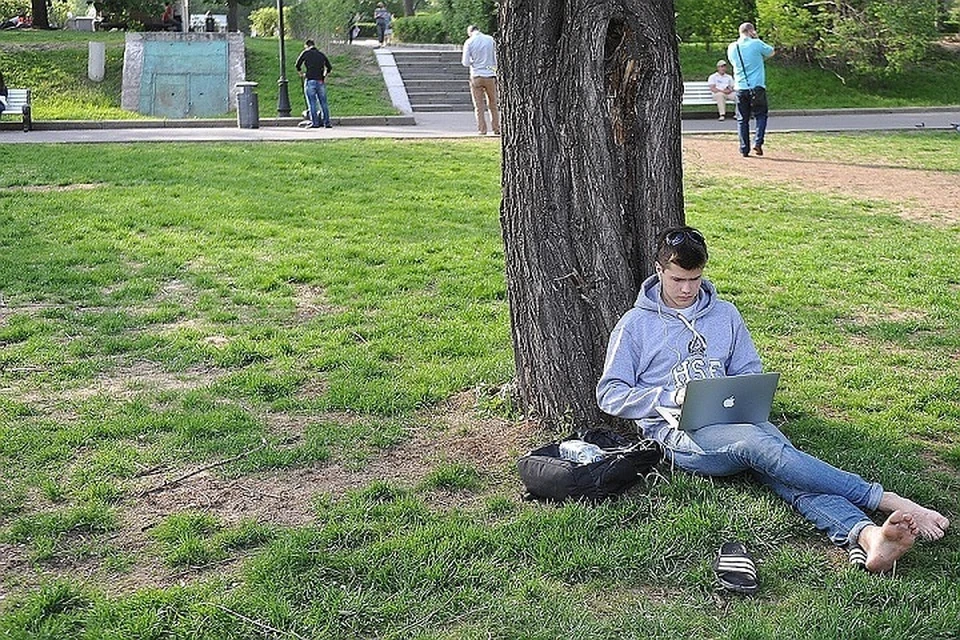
x: 408, y: 8
x: 590, y: 92
x: 233, y: 24
x: 38, y: 10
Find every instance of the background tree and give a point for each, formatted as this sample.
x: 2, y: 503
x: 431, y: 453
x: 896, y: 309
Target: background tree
x: 459, y: 14
x: 129, y: 12
x: 712, y: 21
x: 591, y: 172
x: 38, y: 9
x: 869, y: 38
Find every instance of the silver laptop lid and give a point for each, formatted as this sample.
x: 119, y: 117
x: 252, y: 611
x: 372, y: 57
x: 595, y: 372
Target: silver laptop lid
x: 729, y: 400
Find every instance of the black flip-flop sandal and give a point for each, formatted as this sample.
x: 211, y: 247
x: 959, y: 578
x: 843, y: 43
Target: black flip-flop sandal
x: 735, y: 568
x: 857, y: 556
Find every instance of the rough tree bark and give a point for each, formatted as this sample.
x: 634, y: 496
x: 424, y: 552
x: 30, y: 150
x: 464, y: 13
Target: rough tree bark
x: 590, y: 93
x: 41, y: 19
x: 233, y: 16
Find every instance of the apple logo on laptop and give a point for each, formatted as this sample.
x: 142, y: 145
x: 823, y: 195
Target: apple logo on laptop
x: 729, y: 402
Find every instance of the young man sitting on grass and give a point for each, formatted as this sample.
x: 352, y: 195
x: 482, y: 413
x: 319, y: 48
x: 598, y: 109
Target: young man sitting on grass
x: 680, y: 329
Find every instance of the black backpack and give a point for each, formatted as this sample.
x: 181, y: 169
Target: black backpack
x: 547, y: 476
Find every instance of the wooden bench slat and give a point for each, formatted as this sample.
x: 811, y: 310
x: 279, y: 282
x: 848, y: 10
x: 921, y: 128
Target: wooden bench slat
x: 697, y: 93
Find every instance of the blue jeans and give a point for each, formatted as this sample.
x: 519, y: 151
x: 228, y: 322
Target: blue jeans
x: 833, y: 500
x: 751, y: 102
x: 316, y: 94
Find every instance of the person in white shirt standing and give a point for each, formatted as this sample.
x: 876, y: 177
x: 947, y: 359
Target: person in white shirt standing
x: 721, y: 86
x: 480, y: 56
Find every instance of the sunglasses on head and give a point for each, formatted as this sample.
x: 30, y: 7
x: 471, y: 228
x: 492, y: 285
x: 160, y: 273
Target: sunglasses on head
x: 676, y: 238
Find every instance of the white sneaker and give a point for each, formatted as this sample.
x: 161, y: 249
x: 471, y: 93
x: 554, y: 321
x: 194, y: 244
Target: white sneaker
x: 722, y: 118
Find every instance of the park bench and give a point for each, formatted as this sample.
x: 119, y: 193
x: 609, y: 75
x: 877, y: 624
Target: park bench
x: 18, y: 103
x: 697, y: 93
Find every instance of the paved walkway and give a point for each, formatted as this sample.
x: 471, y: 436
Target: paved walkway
x: 461, y: 124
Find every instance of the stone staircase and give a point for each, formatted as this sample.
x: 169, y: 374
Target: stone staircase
x: 434, y: 79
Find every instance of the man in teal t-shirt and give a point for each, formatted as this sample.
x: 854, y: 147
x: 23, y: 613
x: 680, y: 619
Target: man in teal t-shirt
x: 747, y: 55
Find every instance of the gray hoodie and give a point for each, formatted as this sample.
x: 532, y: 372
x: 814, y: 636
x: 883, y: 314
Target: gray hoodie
x: 655, y: 350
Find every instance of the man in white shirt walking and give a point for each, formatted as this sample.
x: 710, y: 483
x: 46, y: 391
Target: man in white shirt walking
x: 721, y: 86
x: 480, y: 56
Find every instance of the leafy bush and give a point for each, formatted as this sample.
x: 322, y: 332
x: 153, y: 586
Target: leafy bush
x: 866, y: 37
x: 459, y: 14
x: 367, y: 29
x: 425, y: 27
x: 321, y: 20
x: 449, y: 22
x: 57, y: 12
x: 10, y: 8
x: 265, y: 21
x: 711, y: 20
x: 790, y: 26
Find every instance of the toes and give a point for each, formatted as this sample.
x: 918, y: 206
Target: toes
x: 902, y: 519
x: 932, y: 533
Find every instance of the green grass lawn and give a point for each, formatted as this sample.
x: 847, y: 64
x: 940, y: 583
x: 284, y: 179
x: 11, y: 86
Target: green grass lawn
x: 355, y: 86
x: 54, y: 66
x: 167, y: 304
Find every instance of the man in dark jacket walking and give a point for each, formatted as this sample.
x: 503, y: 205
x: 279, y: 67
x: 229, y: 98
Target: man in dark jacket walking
x: 314, y: 67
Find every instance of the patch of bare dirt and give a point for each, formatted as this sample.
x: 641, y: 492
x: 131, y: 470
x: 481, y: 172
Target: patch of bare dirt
x: 311, y: 301
x: 148, y: 377
x: 123, y: 382
x: 54, y: 188
x: 922, y: 196
x: 454, y: 432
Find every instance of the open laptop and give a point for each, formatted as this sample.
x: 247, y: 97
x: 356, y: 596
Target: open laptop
x: 729, y: 400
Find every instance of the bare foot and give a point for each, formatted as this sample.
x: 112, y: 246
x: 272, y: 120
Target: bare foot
x: 885, y: 544
x: 931, y: 524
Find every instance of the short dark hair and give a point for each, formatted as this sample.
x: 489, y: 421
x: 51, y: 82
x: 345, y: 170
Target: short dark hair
x: 310, y: 43
x: 683, y: 246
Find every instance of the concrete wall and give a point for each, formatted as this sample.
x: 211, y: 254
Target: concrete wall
x: 182, y: 75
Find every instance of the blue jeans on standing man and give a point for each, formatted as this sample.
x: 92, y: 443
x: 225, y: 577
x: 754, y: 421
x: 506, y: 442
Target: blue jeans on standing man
x: 316, y: 94
x: 751, y: 102
x: 832, y: 499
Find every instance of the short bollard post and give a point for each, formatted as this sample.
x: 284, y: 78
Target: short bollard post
x: 96, y: 60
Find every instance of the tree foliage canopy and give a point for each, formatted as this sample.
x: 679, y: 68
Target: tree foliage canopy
x: 865, y: 37
x: 712, y: 21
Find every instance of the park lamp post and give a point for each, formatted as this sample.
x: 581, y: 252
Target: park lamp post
x: 283, y: 95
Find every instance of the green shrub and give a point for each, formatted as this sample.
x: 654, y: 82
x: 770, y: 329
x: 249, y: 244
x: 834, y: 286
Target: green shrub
x: 265, y: 21
x: 869, y: 38
x: 788, y: 25
x: 10, y: 8
x: 711, y: 20
x: 425, y: 27
x: 321, y: 20
x: 459, y: 14
x: 367, y: 29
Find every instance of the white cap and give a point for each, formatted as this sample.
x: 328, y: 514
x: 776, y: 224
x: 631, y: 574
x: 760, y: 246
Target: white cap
x: 721, y: 62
